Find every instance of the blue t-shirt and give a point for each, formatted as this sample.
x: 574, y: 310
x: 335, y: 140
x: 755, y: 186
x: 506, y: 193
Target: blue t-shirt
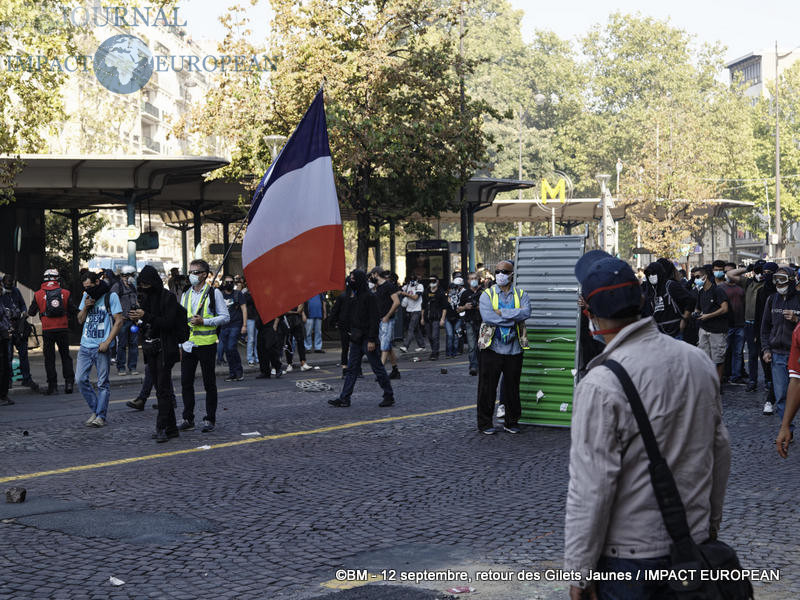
x: 315, y: 307
x: 99, y: 321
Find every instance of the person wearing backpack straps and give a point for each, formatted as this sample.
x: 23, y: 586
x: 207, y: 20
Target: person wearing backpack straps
x: 206, y: 310
x: 613, y: 522
x: 54, y: 307
x: 505, y: 308
x: 162, y: 322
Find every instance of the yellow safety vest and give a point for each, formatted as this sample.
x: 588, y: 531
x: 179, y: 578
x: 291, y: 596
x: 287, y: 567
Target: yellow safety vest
x: 495, y: 298
x: 200, y: 335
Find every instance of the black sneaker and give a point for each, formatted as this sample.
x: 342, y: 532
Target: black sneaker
x: 339, y: 402
x: 230, y: 378
x: 389, y: 401
x: 68, y: 387
x: 513, y: 429
x: 395, y: 374
x: 434, y: 357
x: 5, y: 400
x: 208, y: 426
x: 52, y: 388
x: 138, y: 404
x: 161, y: 436
x: 489, y: 431
x: 473, y: 372
x: 186, y: 426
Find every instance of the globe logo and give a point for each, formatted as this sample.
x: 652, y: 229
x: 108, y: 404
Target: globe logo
x: 123, y: 64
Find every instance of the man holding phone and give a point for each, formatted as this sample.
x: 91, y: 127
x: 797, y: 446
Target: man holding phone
x: 101, y: 317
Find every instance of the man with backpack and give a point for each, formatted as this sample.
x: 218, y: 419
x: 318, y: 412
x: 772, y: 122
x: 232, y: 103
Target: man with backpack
x: 206, y: 310
x: 164, y: 325
x: 52, y: 303
x: 101, y: 317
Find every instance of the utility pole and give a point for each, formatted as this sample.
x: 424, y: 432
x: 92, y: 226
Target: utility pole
x: 778, y: 232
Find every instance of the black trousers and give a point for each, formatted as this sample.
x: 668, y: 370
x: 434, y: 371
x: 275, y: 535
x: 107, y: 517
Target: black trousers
x: 162, y: 377
x: 49, y: 341
x: 344, y: 339
x: 5, y: 368
x: 298, y: 332
x: 206, y: 356
x: 147, y: 385
x: 268, y: 348
x: 491, y: 366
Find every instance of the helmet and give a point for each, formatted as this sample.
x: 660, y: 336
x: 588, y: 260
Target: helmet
x: 51, y: 275
x: 128, y: 270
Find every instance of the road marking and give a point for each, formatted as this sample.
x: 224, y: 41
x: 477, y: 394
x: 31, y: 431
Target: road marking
x: 253, y: 440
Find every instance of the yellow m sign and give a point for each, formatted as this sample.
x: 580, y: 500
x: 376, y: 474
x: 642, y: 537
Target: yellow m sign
x: 550, y: 192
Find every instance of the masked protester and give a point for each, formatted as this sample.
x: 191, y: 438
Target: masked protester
x: 127, y: 340
x: 230, y: 332
x: 469, y: 302
x: 780, y: 318
x: 388, y: 296
x: 505, y: 307
x: 20, y: 328
x: 411, y: 302
x: 101, y: 317
x: 54, y: 306
x: 434, y: 308
x: 161, y: 319
x: 206, y: 310
x: 363, y: 327
x: 340, y: 317
x: 712, y: 315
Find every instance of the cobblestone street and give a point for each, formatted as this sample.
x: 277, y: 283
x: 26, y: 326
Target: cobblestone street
x: 319, y: 489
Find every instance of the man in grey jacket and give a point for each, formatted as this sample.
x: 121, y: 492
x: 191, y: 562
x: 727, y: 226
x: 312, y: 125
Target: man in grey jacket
x: 613, y: 523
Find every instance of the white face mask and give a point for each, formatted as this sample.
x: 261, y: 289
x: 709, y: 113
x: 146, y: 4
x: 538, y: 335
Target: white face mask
x: 652, y: 279
x: 502, y: 279
x: 758, y: 277
x: 194, y: 279
x: 782, y: 290
x: 371, y: 285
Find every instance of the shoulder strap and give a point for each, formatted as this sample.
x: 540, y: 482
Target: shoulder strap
x: 108, y: 302
x: 666, y: 491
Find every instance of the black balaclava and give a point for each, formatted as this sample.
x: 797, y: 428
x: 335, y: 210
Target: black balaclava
x: 360, y: 285
x: 149, y: 276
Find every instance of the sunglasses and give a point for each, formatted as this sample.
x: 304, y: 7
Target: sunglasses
x: 504, y: 271
x: 196, y: 272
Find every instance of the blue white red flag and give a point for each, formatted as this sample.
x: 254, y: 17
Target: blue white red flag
x: 293, y: 247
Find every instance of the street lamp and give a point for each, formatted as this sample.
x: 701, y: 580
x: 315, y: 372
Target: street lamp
x: 603, y: 178
x: 275, y: 140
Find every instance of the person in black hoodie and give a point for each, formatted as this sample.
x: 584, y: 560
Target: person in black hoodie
x: 665, y: 300
x: 160, y: 316
x: 781, y: 314
x: 363, y: 326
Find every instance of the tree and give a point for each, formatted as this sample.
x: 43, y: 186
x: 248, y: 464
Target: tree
x: 58, y: 240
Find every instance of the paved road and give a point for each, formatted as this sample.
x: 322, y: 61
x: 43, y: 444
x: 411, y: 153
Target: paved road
x: 275, y: 515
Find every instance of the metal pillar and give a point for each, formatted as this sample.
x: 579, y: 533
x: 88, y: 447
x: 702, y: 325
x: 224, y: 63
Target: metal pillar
x: 184, y: 242
x: 471, y: 234
x: 377, y: 248
x: 74, y: 217
x: 131, y: 206
x: 196, y: 214
x: 464, y: 233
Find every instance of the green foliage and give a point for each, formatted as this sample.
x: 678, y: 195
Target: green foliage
x: 58, y: 239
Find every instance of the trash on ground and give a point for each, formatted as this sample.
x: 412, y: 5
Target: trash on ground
x: 204, y: 447
x: 15, y: 495
x: 463, y: 589
x: 310, y: 385
x: 252, y: 433
x: 115, y: 581
x: 564, y: 407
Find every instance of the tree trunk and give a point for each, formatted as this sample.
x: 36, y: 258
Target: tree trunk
x: 362, y: 249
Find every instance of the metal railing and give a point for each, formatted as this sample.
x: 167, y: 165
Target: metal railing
x: 151, y: 109
x: 151, y: 144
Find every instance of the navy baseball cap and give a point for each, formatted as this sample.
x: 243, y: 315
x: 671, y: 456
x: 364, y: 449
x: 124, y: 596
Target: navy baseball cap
x: 608, y: 285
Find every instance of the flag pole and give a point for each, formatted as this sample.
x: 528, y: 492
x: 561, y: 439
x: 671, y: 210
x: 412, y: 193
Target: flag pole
x: 221, y: 264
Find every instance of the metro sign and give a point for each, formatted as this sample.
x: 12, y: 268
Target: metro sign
x: 559, y: 190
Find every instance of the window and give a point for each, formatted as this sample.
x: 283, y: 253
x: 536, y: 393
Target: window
x: 749, y: 71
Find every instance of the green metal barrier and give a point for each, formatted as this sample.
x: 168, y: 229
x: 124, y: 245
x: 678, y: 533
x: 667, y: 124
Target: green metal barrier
x: 547, y: 379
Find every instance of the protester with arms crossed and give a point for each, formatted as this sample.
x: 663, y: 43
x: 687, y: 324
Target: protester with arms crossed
x: 100, y: 313
x: 506, y: 308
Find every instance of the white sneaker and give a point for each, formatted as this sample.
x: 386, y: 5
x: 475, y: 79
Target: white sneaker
x: 99, y: 422
x: 272, y: 372
x: 403, y: 349
x: 288, y: 369
x: 420, y: 350
x: 306, y: 367
x: 768, y: 410
x: 501, y: 411
x: 90, y: 420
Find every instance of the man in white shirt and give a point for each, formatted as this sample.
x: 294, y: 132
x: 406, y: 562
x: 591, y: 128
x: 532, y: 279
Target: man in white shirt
x: 206, y: 310
x: 412, y: 302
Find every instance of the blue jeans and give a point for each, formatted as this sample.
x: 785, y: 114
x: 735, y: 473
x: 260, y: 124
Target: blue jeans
x: 780, y: 382
x: 385, y: 335
x: 633, y: 590
x: 252, y: 337
x: 452, y: 331
x: 127, y: 343
x: 357, y: 350
x: 736, y: 346
x: 313, y: 334
x: 228, y: 339
x: 472, y: 344
x: 88, y: 358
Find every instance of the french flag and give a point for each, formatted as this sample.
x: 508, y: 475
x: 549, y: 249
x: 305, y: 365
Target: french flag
x: 293, y: 247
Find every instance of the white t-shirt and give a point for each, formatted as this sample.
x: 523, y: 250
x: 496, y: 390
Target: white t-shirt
x: 413, y: 305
